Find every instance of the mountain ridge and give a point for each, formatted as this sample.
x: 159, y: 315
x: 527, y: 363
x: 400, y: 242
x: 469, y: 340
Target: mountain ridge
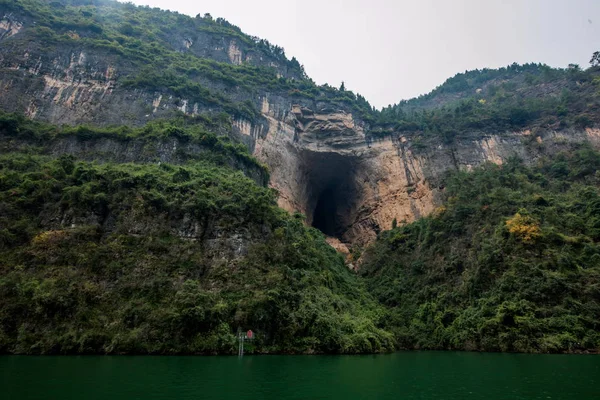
x: 162, y: 173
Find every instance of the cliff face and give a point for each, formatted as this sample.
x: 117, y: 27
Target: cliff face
x: 141, y: 222
x: 323, y: 158
x: 120, y: 151
x: 74, y: 72
x: 352, y: 186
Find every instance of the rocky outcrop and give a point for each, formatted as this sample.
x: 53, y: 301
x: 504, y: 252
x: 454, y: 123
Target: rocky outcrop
x: 350, y: 186
x: 154, y: 151
x: 324, y: 160
x: 323, y: 167
x: 9, y: 26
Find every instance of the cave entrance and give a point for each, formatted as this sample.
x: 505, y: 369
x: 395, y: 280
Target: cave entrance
x: 325, y: 214
x: 332, y: 192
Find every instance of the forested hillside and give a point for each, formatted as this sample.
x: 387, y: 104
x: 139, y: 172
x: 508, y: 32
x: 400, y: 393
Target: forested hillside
x: 144, y: 153
x: 164, y: 259
x: 199, y: 59
x: 518, y: 97
x: 510, y: 262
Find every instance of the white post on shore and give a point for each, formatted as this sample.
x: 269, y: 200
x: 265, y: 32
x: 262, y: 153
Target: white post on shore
x: 241, y: 345
x: 241, y: 337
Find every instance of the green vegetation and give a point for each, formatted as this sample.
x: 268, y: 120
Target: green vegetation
x: 145, y: 37
x: 173, y: 259
x: 151, y: 41
x: 511, y: 263
x: 164, y: 259
x: 506, y: 99
x: 158, y: 258
x: 200, y: 130
x: 127, y: 27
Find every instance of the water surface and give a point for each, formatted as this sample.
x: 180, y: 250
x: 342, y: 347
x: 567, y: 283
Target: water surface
x: 410, y: 375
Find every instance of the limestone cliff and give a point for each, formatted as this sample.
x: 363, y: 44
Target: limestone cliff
x: 324, y: 158
x: 325, y: 166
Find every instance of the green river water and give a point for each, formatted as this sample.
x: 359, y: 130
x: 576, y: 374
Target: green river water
x: 405, y: 375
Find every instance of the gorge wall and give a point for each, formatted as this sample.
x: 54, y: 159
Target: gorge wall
x: 324, y: 159
x: 352, y: 185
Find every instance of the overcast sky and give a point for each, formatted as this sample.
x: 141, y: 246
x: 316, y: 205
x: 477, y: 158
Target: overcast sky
x: 389, y: 50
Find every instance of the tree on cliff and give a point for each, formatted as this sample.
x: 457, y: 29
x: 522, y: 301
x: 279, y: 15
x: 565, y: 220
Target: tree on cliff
x: 595, y: 61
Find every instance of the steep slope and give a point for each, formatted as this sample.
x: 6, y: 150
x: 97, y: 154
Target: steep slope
x: 110, y: 63
x: 159, y: 258
x: 143, y: 223
x: 515, y: 97
x: 510, y: 263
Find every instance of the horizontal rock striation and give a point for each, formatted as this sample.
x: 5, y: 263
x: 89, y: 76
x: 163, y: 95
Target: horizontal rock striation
x: 322, y: 156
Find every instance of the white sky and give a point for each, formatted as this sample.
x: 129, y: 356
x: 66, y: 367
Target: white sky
x: 389, y: 50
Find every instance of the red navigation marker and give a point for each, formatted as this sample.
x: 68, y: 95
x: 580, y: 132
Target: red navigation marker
x: 249, y: 334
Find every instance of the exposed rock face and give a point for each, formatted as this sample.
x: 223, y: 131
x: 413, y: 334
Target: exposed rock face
x: 171, y: 151
x: 9, y: 26
x: 324, y: 167
x: 351, y: 186
x: 323, y: 160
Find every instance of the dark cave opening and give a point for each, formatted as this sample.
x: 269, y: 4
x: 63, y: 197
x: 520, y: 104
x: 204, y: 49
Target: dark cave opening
x: 325, y: 214
x: 332, y: 192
